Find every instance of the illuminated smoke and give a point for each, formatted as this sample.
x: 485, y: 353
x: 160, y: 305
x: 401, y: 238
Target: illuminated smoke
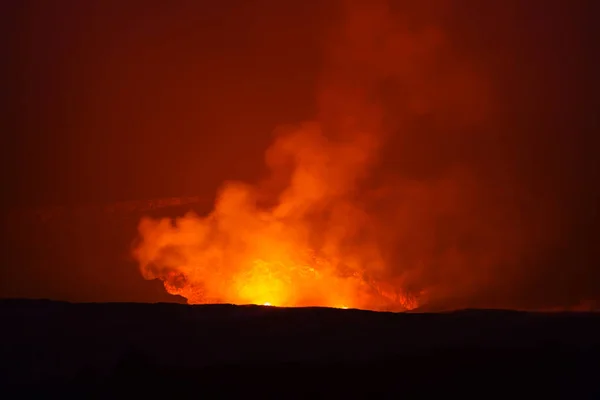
x: 340, y: 230
x: 313, y: 245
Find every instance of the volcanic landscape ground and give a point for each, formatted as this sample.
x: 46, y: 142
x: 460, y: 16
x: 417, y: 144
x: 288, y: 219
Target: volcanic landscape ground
x: 101, y: 349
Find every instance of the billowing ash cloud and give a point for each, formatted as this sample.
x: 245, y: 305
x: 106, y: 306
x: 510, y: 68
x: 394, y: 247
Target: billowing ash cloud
x: 398, y: 194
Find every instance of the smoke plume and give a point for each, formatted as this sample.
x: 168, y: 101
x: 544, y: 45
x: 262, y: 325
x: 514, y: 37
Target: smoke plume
x: 444, y: 220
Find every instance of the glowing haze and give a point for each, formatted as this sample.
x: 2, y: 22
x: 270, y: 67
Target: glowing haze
x: 318, y: 231
x: 301, y: 238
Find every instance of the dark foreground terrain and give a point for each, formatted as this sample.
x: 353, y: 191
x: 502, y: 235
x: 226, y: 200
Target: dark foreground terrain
x: 164, y: 350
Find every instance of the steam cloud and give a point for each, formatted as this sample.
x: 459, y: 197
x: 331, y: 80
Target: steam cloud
x: 452, y: 226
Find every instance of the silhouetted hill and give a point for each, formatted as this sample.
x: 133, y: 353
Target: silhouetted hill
x: 102, y: 347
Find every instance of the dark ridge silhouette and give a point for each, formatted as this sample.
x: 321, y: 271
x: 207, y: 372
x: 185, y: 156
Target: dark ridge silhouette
x: 99, y: 349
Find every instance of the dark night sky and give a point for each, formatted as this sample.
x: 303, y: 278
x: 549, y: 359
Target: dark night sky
x: 114, y: 100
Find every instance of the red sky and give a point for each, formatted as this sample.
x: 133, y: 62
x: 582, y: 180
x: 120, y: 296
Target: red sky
x: 111, y: 101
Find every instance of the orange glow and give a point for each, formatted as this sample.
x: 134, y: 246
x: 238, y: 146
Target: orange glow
x: 448, y: 159
x: 306, y: 235
x: 303, y: 251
